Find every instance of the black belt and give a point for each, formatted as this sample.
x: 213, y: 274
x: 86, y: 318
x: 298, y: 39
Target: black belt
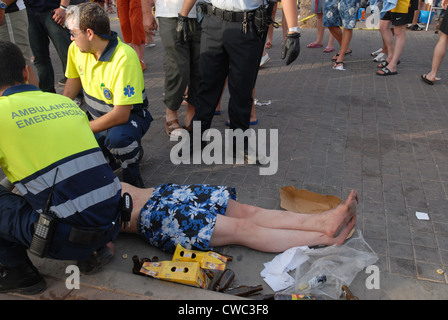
x: 232, y: 16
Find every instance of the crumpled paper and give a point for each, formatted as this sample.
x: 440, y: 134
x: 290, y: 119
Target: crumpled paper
x: 275, y: 272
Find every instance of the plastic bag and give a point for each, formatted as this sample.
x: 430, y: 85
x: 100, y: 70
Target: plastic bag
x: 327, y: 269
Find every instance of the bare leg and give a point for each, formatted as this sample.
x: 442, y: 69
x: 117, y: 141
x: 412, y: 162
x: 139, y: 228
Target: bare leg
x: 320, y: 28
x: 345, y: 44
x: 330, y: 41
x: 329, y: 222
x: 400, y: 42
x: 439, y: 54
x: 246, y: 233
x: 388, y: 38
x: 337, y: 33
x: 263, y: 229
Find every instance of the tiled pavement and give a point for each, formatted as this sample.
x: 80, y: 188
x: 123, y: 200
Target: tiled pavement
x: 386, y: 137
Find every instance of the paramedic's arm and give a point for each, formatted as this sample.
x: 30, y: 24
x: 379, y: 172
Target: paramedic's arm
x: 72, y: 88
x: 118, y: 115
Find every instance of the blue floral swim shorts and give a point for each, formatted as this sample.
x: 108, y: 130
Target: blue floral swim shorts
x: 341, y: 13
x: 184, y: 214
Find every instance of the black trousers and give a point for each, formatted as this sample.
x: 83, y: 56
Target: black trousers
x: 227, y: 52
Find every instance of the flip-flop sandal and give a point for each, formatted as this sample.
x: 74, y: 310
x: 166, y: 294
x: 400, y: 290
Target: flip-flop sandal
x: 314, y: 45
x: 386, y: 72
x: 337, y: 55
x: 338, y: 66
x: 385, y: 64
x: 426, y: 80
x: 328, y: 49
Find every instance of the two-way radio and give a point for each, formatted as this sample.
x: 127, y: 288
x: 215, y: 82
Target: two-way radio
x: 45, y: 228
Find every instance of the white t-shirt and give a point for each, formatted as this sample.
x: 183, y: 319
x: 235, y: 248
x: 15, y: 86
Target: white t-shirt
x: 171, y: 9
x: 20, y: 4
x: 237, y: 5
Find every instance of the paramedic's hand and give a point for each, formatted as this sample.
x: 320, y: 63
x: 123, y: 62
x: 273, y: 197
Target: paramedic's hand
x: 291, y: 48
x: 182, y: 29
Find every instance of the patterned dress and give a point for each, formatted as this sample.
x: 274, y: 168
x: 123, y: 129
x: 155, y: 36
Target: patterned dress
x: 184, y: 214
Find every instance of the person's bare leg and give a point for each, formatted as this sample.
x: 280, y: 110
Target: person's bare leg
x: 251, y: 232
x: 400, y: 42
x: 438, y: 55
x: 244, y: 232
x: 345, y: 44
x: 388, y: 38
x: 337, y: 33
x: 329, y: 222
x: 320, y: 28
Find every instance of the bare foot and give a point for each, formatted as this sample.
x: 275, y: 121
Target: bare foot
x: 343, y: 234
x: 339, y: 217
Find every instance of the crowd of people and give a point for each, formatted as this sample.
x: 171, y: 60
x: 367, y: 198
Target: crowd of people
x: 68, y: 202
x: 395, y: 20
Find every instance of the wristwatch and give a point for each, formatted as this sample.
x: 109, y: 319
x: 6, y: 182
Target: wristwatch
x: 3, y: 5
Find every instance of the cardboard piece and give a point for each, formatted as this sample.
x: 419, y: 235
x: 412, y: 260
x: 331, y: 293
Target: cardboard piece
x: 189, y: 273
x: 207, y: 259
x: 304, y: 201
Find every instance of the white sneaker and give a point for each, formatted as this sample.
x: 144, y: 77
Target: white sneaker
x: 264, y: 59
x: 380, y: 57
x: 377, y: 52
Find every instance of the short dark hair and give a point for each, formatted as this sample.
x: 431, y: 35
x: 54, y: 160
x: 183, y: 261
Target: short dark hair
x: 12, y: 64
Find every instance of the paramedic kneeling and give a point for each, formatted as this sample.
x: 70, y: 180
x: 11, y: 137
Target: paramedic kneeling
x: 66, y: 188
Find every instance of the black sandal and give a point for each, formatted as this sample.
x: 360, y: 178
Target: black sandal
x: 384, y: 64
x: 337, y: 55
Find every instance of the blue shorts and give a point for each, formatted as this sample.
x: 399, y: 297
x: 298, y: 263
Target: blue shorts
x: 342, y: 13
x: 184, y: 214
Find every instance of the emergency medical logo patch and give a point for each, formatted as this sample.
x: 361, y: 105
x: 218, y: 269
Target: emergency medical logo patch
x: 129, y: 91
x: 107, y: 94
